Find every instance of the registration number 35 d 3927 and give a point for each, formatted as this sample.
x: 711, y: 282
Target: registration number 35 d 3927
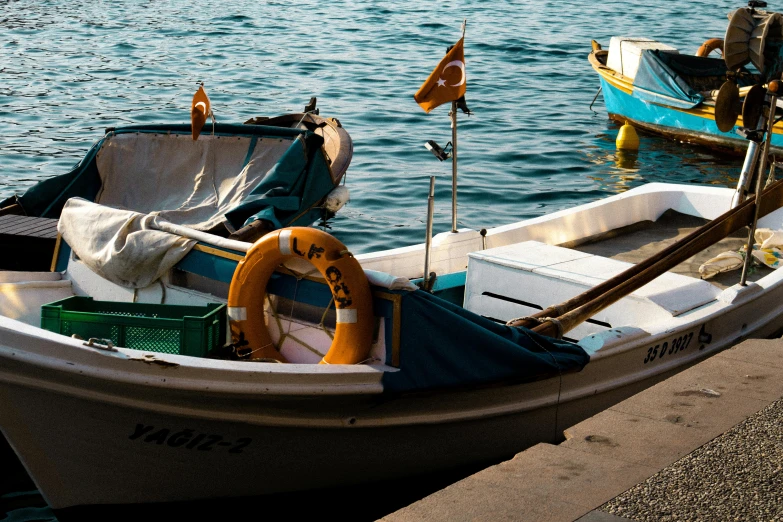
x: 671, y: 347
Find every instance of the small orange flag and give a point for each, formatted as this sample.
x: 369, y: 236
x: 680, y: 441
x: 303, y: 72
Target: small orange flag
x: 200, y: 109
x: 447, y: 81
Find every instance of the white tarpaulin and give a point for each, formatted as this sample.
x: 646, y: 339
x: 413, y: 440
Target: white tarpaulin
x: 186, y: 182
x: 120, y: 245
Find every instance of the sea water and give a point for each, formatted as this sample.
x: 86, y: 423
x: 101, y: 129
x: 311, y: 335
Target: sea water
x: 533, y: 145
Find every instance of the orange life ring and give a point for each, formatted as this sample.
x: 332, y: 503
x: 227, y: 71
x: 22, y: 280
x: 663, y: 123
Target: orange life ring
x: 345, y: 277
x: 709, y: 46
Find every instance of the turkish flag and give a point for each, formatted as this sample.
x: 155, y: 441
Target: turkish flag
x: 200, y: 110
x: 447, y: 81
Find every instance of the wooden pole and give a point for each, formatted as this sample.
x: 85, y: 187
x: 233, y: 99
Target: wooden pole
x: 454, y: 154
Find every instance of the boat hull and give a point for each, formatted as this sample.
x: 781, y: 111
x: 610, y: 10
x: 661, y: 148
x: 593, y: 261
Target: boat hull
x: 95, y: 426
x: 695, y: 125
x: 90, y: 441
x: 83, y: 452
x: 88, y: 452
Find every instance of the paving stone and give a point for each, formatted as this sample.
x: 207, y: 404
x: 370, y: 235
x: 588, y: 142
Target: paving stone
x: 574, y: 476
x: 764, y: 352
x: 708, y: 399
x: 633, y: 438
x: 747, y: 378
x: 736, y: 476
x: 620, y: 448
x: 544, y: 483
x: 473, y: 500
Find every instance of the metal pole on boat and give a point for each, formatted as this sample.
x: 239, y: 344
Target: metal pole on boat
x: 772, y: 89
x: 748, y: 168
x: 454, y: 154
x: 428, y: 241
x: 454, y: 166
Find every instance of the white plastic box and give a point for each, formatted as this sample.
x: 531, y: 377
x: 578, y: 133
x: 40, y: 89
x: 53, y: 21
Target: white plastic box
x: 625, y: 53
x: 523, y: 278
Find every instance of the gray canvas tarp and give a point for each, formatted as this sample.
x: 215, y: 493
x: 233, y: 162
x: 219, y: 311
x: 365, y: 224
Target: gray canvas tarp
x: 120, y: 245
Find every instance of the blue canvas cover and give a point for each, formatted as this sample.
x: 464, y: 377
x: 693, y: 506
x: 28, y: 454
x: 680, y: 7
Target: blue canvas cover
x: 443, y: 345
x: 672, y: 79
x: 288, y: 193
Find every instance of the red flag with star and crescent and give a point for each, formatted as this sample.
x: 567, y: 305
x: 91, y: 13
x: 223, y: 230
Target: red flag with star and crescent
x: 447, y: 81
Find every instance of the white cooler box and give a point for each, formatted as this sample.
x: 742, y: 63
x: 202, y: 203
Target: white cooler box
x: 625, y: 53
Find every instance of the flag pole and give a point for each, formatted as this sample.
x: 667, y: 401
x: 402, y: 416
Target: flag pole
x: 454, y: 166
x: 454, y: 155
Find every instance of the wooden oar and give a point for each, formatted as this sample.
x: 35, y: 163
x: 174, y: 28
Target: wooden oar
x: 580, y: 308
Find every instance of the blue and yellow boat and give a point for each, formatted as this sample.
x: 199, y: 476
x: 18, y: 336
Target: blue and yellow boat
x: 655, y: 88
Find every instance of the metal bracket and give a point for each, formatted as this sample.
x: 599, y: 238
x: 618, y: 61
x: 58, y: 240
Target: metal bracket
x: 100, y: 344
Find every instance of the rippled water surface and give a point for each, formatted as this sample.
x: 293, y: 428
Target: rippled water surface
x: 70, y: 69
x: 533, y: 146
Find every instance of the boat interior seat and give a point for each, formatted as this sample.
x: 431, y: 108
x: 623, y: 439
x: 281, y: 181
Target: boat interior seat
x: 520, y: 279
x: 87, y: 283
x: 23, y: 293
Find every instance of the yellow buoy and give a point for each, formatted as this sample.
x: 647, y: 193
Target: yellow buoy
x: 627, y: 138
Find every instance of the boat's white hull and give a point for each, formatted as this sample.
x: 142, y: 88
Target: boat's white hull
x: 92, y: 441
x: 83, y: 452
x: 107, y: 454
x: 100, y: 427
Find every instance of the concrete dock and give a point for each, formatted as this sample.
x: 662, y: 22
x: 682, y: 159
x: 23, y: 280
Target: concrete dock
x: 705, y: 444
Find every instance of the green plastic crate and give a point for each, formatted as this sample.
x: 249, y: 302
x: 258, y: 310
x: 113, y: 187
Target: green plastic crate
x: 186, y: 330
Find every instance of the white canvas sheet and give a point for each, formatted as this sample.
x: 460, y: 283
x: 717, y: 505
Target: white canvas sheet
x: 120, y: 245
x: 186, y: 182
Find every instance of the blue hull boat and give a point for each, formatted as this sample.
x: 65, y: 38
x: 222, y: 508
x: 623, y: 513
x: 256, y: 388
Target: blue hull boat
x: 656, y: 88
x: 690, y: 125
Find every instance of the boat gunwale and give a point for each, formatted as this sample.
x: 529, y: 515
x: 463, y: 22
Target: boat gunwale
x: 501, y: 407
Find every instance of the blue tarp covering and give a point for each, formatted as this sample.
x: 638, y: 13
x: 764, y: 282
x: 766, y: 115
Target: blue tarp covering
x: 289, y: 190
x: 444, y: 345
x: 672, y: 79
x: 658, y: 80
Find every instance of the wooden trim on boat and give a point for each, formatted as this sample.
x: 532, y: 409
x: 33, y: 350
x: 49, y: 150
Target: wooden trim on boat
x: 396, y: 300
x: 214, y: 251
x: 56, y: 252
x: 617, y: 79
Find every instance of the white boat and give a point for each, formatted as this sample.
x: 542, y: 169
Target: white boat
x: 441, y: 384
